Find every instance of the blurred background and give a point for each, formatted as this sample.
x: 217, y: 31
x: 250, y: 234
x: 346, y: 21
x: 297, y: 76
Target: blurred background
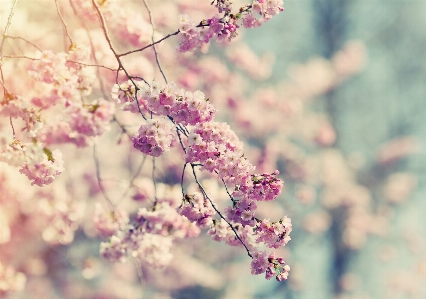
x: 377, y: 112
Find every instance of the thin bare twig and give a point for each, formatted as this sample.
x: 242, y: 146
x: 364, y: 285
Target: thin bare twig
x: 151, y: 19
x: 180, y: 140
x: 150, y: 45
x: 9, y: 22
x: 94, y: 65
x: 80, y: 63
x: 19, y: 57
x: 181, y: 181
x: 117, y: 57
x: 122, y: 127
x: 227, y: 191
x: 27, y: 41
x: 92, y: 47
x: 98, y: 176
x: 155, y: 184
x: 13, y: 129
x: 158, y: 41
x: 63, y: 23
x: 105, y: 29
x: 132, y: 179
x: 140, y: 275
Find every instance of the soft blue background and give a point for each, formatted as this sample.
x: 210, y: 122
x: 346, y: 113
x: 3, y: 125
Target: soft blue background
x: 387, y: 100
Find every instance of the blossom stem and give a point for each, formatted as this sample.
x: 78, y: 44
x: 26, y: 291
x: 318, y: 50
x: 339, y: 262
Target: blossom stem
x: 13, y: 129
x: 98, y: 177
x: 9, y: 22
x: 181, y: 181
x: 218, y: 212
x: 63, y: 23
x: 152, y: 39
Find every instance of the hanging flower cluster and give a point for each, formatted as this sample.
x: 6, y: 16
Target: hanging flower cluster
x: 262, y: 263
x: 185, y: 107
x: 65, y: 79
x: 38, y: 163
x: 197, y: 209
x: 154, y: 138
x: 91, y: 119
x: 215, y: 147
x: 151, y: 237
x: 193, y: 36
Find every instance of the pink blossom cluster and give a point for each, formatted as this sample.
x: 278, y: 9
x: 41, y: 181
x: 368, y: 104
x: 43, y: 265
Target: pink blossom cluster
x: 10, y: 280
x: 79, y: 125
x: 260, y: 187
x: 17, y: 106
x: 151, y: 237
x: 266, y: 9
x: 185, y: 107
x: 91, y: 119
x: 154, y: 138
x: 38, y: 163
x: 223, y: 5
x: 242, y: 211
x: 275, y: 234
x: 50, y: 68
x: 109, y: 222
x: 44, y: 171
x: 265, y: 187
x: 221, y: 231
x: 218, y: 148
x: 85, y: 75
x: 115, y: 250
x: 60, y: 132
x: 262, y: 263
x: 124, y: 93
x: 192, y: 36
x: 197, y: 209
x: 225, y: 28
x: 165, y: 220
x: 151, y: 248
x: 65, y: 78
